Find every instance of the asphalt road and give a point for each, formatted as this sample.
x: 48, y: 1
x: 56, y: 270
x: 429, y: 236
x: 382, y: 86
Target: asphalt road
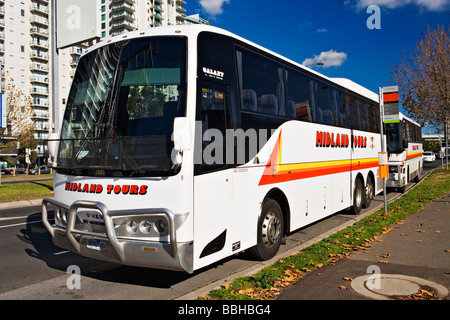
x: 32, y: 268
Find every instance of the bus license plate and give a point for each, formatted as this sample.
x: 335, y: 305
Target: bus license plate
x: 95, y: 244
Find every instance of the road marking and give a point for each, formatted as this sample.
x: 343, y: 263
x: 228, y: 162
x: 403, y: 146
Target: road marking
x: 20, y: 224
x: 12, y: 218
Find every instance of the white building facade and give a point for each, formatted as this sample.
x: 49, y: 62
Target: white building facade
x: 26, y: 55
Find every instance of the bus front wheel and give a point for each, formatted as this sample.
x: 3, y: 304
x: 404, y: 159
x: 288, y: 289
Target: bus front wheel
x: 270, y: 231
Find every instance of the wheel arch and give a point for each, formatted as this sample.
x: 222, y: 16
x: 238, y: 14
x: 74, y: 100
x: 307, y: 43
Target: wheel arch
x: 279, y: 196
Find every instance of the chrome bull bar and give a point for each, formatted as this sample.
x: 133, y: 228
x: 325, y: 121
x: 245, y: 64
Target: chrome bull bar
x: 109, y: 224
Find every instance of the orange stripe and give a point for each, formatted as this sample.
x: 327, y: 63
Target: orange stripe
x: 413, y: 155
x: 272, y: 176
x: 389, y: 97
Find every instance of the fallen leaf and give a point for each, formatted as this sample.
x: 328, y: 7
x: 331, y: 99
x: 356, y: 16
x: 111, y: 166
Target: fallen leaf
x: 417, y: 230
x: 319, y: 265
x: 383, y: 261
x: 227, y: 286
x: 403, y: 234
x: 447, y: 250
x: 419, y: 241
x: 437, y: 231
x: 342, y: 287
x: 348, y: 279
x: 385, y: 255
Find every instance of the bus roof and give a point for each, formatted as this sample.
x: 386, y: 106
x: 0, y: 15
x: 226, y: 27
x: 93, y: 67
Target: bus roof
x: 195, y: 29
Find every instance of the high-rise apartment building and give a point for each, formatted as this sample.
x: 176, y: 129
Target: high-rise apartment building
x: 26, y: 55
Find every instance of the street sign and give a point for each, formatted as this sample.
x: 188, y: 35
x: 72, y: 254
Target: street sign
x: 77, y: 21
x: 391, y: 104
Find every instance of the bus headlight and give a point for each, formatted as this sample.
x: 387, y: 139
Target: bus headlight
x: 161, y: 225
x: 132, y: 226
x: 145, y: 226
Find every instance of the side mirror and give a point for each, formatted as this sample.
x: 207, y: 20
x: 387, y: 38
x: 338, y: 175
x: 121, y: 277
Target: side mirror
x: 53, y: 143
x: 405, y: 144
x: 181, y: 138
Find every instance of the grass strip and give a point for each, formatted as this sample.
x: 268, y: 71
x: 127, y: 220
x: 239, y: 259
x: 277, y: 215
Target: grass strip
x: 26, y: 191
x: 267, y: 283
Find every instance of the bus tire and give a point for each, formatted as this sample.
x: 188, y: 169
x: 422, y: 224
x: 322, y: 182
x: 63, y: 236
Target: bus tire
x: 358, y: 196
x: 369, y: 193
x: 270, y: 231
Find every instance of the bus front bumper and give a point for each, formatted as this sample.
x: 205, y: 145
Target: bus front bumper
x: 108, y: 246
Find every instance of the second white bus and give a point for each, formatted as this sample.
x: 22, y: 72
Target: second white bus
x: 404, y: 146
x: 183, y: 145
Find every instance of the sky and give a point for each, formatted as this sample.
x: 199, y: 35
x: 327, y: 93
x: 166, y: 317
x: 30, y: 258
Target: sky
x: 348, y: 38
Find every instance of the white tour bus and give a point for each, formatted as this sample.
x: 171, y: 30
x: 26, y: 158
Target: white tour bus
x: 404, y: 146
x: 183, y: 145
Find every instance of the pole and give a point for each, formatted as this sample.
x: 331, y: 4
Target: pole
x: 383, y: 142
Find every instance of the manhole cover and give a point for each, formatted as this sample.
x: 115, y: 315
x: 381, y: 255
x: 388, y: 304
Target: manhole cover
x: 388, y: 286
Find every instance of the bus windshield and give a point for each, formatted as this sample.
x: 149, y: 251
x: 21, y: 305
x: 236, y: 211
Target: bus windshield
x: 393, y: 137
x: 121, y: 107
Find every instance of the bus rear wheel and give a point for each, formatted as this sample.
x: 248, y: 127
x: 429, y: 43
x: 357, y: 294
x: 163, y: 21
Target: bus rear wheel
x: 369, y: 193
x: 270, y: 231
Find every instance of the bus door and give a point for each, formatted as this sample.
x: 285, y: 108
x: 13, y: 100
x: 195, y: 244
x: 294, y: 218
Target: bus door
x: 212, y: 179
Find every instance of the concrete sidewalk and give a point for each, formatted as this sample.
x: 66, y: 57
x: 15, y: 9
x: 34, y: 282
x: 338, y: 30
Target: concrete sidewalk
x: 414, y: 256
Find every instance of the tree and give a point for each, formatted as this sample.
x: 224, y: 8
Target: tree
x: 20, y: 124
x: 424, y: 78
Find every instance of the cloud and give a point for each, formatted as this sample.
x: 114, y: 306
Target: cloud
x: 431, y: 5
x: 326, y: 59
x: 322, y: 30
x: 213, y: 7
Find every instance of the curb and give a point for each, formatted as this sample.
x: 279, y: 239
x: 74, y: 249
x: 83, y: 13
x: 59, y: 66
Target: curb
x: 20, y: 204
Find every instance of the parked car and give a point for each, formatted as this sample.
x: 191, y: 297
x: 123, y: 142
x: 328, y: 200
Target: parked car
x: 429, y: 156
x: 44, y: 170
x: 10, y: 170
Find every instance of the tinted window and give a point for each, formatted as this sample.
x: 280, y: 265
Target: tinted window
x: 262, y: 84
x: 298, y: 104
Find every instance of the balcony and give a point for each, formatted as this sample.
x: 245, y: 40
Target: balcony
x: 38, y: 79
x: 180, y: 9
x: 122, y: 7
x: 123, y: 16
x: 76, y: 51
x: 39, y: 31
x: 126, y: 1
x: 123, y: 24
x: 39, y: 55
x: 39, y: 67
x: 40, y: 102
x: 41, y: 115
x: 39, y: 20
x: 39, y: 90
x: 39, y: 44
x: 37, y: 8
x: 74, y: 61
